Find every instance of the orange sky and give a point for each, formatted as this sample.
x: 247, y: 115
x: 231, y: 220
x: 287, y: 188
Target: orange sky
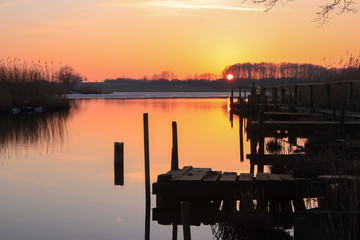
x: 112, y: 38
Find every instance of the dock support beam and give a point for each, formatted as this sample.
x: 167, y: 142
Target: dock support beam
x: 261, y: 149
x: 342, y: 112
x: 263, y: 98
x: 350, y: 93
x: 174, y: 231
x: 291, y: 103
x: 295, y: 95
x: 275, y: 98
x: 283, y: 94
x: 241, y: 138
x: 328, y: 91
x: 311, y: 98
x: 239, y: 99
x: 185, y: 216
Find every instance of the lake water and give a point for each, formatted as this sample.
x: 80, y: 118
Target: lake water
x: 56, y: 174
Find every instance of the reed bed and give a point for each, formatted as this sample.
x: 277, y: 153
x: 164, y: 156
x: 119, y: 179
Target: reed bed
x: 34, y: 84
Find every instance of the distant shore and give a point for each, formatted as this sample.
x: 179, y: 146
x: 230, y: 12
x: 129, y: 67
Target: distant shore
x: 150, y: 95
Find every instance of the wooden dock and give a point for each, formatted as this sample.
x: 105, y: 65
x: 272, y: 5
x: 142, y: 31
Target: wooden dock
x: 209, y: 191
x: 272, y: 198
x: 335, y: 100
x: 215, y: 184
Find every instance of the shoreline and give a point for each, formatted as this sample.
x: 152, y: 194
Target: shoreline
x: 151, y: 95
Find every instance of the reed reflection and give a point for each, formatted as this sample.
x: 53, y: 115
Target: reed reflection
x: 32, y: 130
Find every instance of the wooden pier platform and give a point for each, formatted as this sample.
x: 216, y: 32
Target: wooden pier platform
x: 210, y: 191
x: 215, y: 184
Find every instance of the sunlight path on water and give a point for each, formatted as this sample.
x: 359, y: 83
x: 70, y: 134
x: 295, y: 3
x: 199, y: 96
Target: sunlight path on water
x: 67, y: 192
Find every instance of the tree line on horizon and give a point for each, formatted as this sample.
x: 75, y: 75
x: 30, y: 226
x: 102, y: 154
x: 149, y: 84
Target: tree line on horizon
x: 260, y: 72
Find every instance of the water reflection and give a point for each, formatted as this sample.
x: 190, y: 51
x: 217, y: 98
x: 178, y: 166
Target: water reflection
x: 69, y: 194
x: 308, y: 183
x: 23, y: 131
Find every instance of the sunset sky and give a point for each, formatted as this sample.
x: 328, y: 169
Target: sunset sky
x: 134, y: 38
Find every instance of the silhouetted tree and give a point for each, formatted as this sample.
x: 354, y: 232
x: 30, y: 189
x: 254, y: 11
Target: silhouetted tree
x: 68, y: 76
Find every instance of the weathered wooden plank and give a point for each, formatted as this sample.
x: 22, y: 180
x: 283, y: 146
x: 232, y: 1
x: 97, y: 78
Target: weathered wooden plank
x: 307, y: 123
x: 176, y: 174
x: 330, y: 177
x: 260, y: 176
x: 286, y: 177
x: 228, y: 177
x: 195, y: 174
x: 246, y: 177
x: 270, y: 159
x: 212, y: 176
x: 292, y: 113
x: 274, y: 177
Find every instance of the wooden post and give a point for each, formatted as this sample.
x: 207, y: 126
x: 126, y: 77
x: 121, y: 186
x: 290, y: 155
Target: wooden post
x: 283, y: 94
x: 291, y: 103
x: 350, y: 93
x: 253, y: 101
x: 342, y: 114
x: 299, y: 204
x: 147, y: 176
x: 328, y: 91
x: 241, y: 138
x: 295, y: 95
x: 263, y: 98
x: 119, y: 163
x: 253, y: 143
x: 275, y: 98
x: 231, y: 100
x: 174, y: 151
x: 185, y: 216
x: 261, y: 149
x: 242, y: 110
x: 239, y: 94
x: 174, y: 231
x: 147, y: 221
x: 311, y: 100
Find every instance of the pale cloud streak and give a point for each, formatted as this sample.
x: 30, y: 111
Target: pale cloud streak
x: 163, y: 5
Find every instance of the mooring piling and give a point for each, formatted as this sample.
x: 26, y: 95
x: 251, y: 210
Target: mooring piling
x: 185, y: 216
x: 119, y: 163
x: 342, y: 112
x: 147, y: 176
x: 174, y: 231
x: 241, y: 133
x: 174, y: 151
x: 232, y: 100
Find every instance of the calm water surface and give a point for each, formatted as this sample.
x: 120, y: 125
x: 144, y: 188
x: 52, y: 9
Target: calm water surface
x: 56, y: 175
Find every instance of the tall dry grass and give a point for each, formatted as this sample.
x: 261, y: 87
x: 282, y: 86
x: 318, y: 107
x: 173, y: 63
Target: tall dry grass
x: 30, y: 84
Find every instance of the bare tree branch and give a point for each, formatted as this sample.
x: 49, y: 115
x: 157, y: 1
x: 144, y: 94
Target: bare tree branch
x: 323, y: 15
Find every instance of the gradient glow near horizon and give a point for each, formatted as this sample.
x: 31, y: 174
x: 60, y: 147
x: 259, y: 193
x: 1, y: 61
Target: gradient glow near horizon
x: 113, y: 38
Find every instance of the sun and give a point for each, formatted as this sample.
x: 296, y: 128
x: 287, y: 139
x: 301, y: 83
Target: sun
x: 230, y: 77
